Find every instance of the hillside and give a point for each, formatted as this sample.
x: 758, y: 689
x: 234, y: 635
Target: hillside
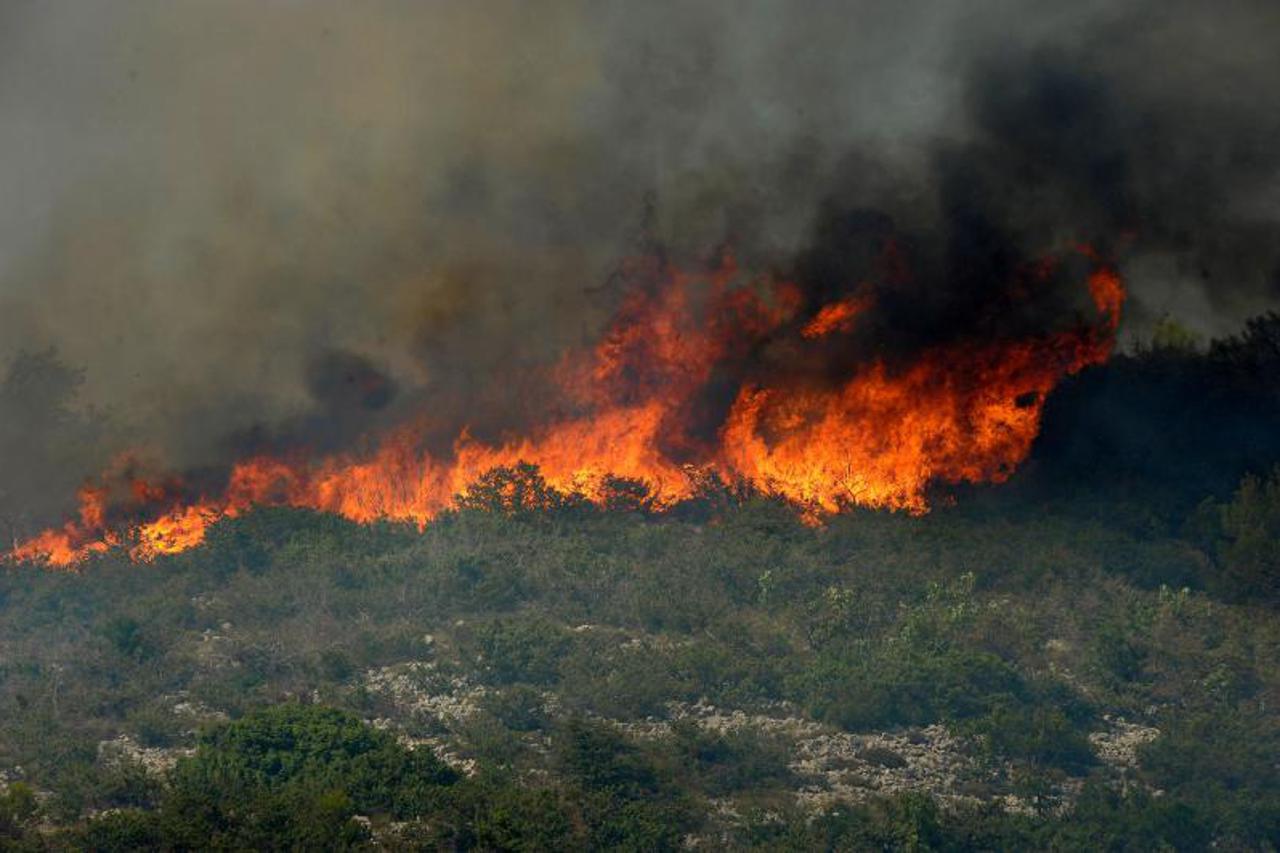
x: 838, y: 425
x: 728, y: 678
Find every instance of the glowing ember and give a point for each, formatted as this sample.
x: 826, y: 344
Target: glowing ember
x: 634, y: 406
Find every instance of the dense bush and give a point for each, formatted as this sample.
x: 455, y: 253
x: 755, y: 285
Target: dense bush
x: 564, y: 653
x: 18, y: 810
x: 626, y: 799
x: 723, y: 763
x: 1251, y: 539
x: 508, y: 651
x: 286, y: 776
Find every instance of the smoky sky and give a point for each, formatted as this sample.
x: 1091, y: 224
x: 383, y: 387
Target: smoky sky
x: 233, y: 216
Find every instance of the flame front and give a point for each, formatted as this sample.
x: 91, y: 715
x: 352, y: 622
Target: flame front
x: 634, y: 406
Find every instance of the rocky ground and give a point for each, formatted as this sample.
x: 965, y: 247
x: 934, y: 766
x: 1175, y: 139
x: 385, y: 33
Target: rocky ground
x: 830, y: 767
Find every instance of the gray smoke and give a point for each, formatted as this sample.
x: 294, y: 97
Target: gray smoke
x: 245, y: 219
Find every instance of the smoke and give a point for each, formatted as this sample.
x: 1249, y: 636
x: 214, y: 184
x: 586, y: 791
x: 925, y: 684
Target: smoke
x: 250, y: 221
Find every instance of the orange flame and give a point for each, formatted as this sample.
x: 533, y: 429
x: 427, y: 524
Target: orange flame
x: 960, y: 412
x: 836, y: 317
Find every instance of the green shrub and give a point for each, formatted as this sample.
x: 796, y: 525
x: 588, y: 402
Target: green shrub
x: 1250, y: 552
x: 120, y: 831
x: 866, y: 687
x: 303, y: 751
x: 626, y: 800
x: 519, y: 708
x: 18, y: 811
x: 1040, y: 734
x: 334, y: 665
x: 1119, y: 654
x: 519, y: 650
x: 740, y: 759
x: 128, y: 638
x: 495, y: 812
x: 519, y: 489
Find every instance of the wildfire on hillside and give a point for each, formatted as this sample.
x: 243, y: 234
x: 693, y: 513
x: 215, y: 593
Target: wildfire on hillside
x: 711, y: 373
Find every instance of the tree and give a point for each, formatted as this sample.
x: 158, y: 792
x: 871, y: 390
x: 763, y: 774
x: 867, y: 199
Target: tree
x: 294, y: 776
x: 18, y: 809
x: 1250, y: 555
x: 513, y: 490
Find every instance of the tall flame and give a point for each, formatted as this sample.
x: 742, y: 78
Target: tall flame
x: 963, y: 411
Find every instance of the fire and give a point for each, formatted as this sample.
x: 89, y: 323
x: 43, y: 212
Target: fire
x: 958, y: 414
x: 175, y: 531
x: 836, y: 317
x: 1108, y: 294
x: 636, y: 406
x: 75, y: 540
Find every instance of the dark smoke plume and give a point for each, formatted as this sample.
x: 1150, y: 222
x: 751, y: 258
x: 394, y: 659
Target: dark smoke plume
x: 257, y: 226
